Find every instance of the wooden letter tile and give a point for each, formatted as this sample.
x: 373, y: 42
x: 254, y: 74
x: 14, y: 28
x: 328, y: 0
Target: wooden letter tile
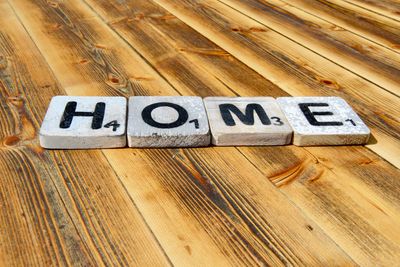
x: 323, y: 121
x: 247, y: 121
x: 74, y: 122
x: 167, y: 121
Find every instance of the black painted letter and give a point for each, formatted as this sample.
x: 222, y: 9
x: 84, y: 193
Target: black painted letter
x: 310, y: 115
x: 70, y: 112
x: 182, y: 118
x: 247, y: 118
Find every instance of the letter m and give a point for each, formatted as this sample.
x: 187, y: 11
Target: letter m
x: 247, y: 118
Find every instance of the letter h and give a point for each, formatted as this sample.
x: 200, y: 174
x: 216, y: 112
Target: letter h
x: 70, y: 112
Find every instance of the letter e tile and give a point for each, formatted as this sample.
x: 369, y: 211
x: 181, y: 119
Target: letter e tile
x: 323, y: 121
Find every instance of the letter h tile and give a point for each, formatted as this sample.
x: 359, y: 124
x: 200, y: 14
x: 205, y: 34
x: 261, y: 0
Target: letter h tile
x: 74, y: 122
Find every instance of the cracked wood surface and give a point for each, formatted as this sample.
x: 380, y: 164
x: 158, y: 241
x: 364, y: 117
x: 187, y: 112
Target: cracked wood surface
x: 208, y: 206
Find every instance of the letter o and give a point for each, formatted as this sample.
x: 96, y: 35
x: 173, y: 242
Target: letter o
x: 182, y: 118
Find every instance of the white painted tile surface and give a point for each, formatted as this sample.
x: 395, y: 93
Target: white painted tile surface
x: 278, y: 132
x: 352, y: 131
x: 80, y: 135
x: 185, y: 134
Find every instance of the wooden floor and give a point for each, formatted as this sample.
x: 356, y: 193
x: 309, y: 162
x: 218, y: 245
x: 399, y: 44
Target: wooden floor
x: 312, y: 206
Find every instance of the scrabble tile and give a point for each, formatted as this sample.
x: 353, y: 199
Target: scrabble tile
x: 167, y: 121
x: 74, y: 122
x: 323, y: 121
x: 247, y: 121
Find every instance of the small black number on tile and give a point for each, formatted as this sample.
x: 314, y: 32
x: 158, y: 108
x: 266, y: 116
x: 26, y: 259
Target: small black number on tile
x: 277, y: 121
x: 352, y: 122
x: 113, y: 124
x: 196, y: 123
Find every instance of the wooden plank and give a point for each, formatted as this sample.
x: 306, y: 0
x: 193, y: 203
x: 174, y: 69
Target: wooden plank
x: 376, y: 63
x: 376, y: 28
x: 341, y: 189
x: 387, y: 8
x: 56, y: 209
x: 294, y: 68
x: 186, y: 236
x: 195, y: 66
x: 135, y: 19
x: 220, y: 201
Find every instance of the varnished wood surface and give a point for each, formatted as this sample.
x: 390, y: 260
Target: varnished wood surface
x: 245, y: 206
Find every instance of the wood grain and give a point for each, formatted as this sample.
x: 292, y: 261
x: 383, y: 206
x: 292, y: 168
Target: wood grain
x: 295, y: 69
x: 179, y: 32
x: 342, y: 190
x: 387, y: 8
x: 56, y: 209
x: 190, y: 62
x: 205, y: 206
x: 238, y: 245
x: 361, y: 56
x: 376, y: 28
x: 119, y: 15
x: 214, y: 190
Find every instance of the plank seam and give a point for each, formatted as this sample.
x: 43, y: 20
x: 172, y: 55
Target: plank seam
x: 315, y: 52
x: 65, y: 254
x: 137, y: 208
x: 369, y: 10
x: 133, y: 48
x: 161, y: 6
x: 347, y: 29
x: 110, y: 166
x: 237, y: 149
x: 302, y: 212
